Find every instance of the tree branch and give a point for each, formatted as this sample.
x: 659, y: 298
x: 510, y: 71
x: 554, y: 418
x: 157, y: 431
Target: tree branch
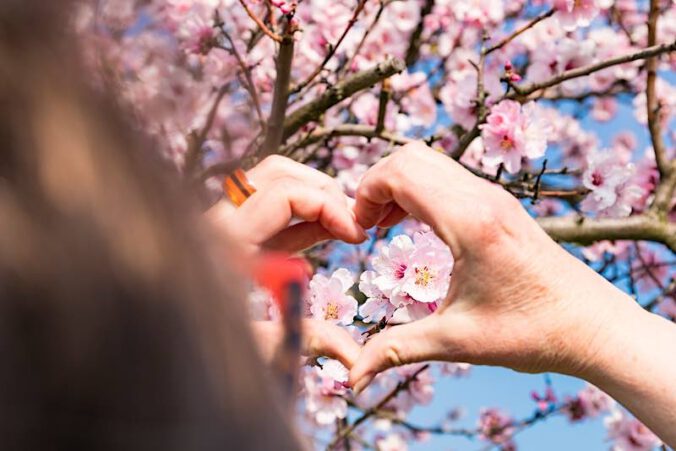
x: 401, y: 386
x: 587, y: 231
x: 586, y: 70
x: 340, y: 91
x: 275, y: 126
x: 651, y: 96
x: 414, y: 46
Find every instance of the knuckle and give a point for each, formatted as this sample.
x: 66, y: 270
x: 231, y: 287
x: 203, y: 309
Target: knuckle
x: 275, y: 162
x: 285, y: 185
x: 486, y: 218
x: 393, y: 352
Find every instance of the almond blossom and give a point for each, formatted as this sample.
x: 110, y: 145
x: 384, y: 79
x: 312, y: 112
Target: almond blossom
x: 170, y: 61
x: 511, y: 133
x: 410, y: 271
x: 609, y: 182
x: 629, y: 434
x: 328, y: 299
x: 590, y: 402
x: 323, y: 387
x: 575, y: 13
x: 496, y: 427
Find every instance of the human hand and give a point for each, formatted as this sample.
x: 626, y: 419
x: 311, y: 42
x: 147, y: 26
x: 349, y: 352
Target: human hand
x: 517, y: 299
x: 286, y: 190
x: 320, y: 339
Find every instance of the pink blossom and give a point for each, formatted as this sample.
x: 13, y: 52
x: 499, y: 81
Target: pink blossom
x: 328, y: 298
x: 513, y: 132
x: 495, y: 426
x: 323, y: 387
x: 392, y: 442
x: 418, y: 104
x: 262, y: 306
x: 349, y: 178
x: 377, y: 305
x: 420, y: 390
x: 391, y: 265
x: 575, y: 13
x: 598, y: 250
x: 404, y: 16
x: 668, y: 305
x: 629, y: 434
x: 459, y: 95
x: 590, y: 402
x: 455, y: 369
x: 604, y: 109
x: 611, y: 194
x: 649, y: 269
x: 427, y: 276
x: 413, y: 311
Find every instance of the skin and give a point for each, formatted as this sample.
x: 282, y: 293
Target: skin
x: 288, y: 191
x: 517, y: 299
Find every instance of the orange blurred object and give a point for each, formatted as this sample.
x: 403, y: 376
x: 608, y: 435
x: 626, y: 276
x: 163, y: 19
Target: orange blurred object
x: 237, y: 187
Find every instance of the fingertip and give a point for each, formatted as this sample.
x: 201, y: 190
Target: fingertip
x: 362, y: 383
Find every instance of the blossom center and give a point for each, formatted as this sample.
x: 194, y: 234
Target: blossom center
x: 400, y: 271
x: 331, y: 311
x: 506, y: 143
x: 423, y: 276
x: 596, y: 179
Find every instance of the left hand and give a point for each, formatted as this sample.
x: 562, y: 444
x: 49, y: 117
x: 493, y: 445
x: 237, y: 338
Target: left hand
x: 286, y: 190
x: 320, y: 339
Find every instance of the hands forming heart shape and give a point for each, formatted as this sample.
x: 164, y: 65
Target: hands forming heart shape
x: 517, y: 299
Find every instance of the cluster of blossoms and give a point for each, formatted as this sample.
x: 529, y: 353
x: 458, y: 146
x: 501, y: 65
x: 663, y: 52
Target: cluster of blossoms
x: 609, y: 180
x: 511, y: 133
x: 409, y: 278
x: 205, y: 68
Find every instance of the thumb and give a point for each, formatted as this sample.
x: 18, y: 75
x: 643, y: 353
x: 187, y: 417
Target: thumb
x: 413, y: 342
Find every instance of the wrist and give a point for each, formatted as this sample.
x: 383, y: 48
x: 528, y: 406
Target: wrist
x: 606, y: 335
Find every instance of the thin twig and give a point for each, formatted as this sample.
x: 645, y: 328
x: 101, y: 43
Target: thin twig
x: 332, y: 49
x: 368, y: 413
x: 249, y: 85
x: 264, y: 28
x: 519, y: 31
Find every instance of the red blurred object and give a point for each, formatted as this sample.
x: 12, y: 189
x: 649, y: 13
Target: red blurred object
x: 277, y: 272
x: 285, y: 278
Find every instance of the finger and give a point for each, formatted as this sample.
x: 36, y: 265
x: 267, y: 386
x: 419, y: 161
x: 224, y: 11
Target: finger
x: 276, y: 167
x: 394, y: 217
x: 320, y: 339
x: 298, y: 237
x: 409, y: 343
x: 327, y: 339
x: 431, y: 187
x: 289, y: 198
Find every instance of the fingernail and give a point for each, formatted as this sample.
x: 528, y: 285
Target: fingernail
x: 362, y: 383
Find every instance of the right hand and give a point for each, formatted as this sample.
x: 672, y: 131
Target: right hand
x: 517, y: 299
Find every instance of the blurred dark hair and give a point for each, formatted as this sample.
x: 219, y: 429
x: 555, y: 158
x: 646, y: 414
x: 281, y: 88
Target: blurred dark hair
x: 120, y: 326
